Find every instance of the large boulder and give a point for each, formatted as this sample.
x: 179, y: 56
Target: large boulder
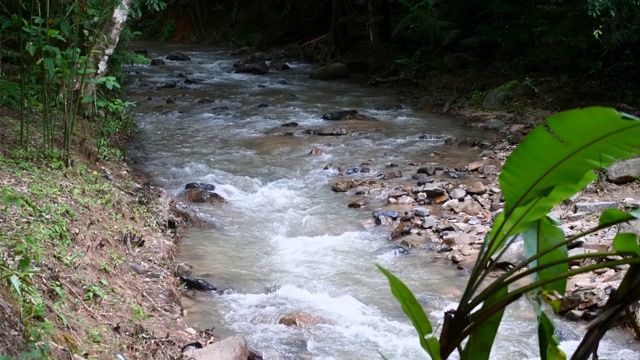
x: 177, y: 56
x: 499, y: 97
x: 200, y: 193
x: 254, y: 64
x: 330, y: 71
x: 232, y: 348
x: 624, y: 171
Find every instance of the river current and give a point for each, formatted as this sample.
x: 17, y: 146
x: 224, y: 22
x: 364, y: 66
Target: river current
x: 285, y: 242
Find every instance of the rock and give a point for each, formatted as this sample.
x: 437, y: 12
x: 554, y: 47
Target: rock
x: 582, y: 299
x: 494, y: 124
x: 457, y: 193
x: 358, y: 204
x: 426, y: 103
x: 477, y: 188
x: 392, y: 175
x: 624, y: 171
x: 632, y: 227
x: 475, y: 165
x: 245, y: 50
x: 429, y: 170
x: 299, y: 319
x: 429, y: 222
x: 232, y: 348
x: 156, y: 62
x: 574, y: 315
x: 401, y: 230
x: 197, y: 185
x: 254, y: 64
x: 197, y: 283
x: 183, y: 269
x: 588, y: 207
x: 339, y: 115
x: 343, y: 186
x: 317, y: 151
x: 421, y: 212
x: 279, y: 65
x: 392, y: 214
x: 290, y: 124
x: 501, y: 96
x: 332, y: 132
x: 201, y: 195
x: 330, y: 71
x: 177, y: 56
x: 414, y: 241
x: 631, y: 203
x: 514, y: 254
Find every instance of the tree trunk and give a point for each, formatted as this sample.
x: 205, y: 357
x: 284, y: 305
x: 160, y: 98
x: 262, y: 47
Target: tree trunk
x: 378, y: 26
x: 337, y: 29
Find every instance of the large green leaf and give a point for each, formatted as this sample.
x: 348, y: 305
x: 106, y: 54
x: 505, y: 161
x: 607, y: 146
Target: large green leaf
x: 626, y: 243
x: 611, y: 217
x: 481, y: 339
x: 548, y: 342
x: 554, y: 161
x: 540, y: 236
x: 413, y: 309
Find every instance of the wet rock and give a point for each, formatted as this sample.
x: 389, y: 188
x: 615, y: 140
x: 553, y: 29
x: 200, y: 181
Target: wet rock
x: 290, y: 124
x: 414, y: 241
x: 332, y: 132
x: 197, y: 283
x: 279, y: 65
x: 624, y: 171
x: 405, y: 200
x: 201, y: 195
x: 401, y: 230
x: 339, y: 115
x: 499, y: 97
x: 232, y: 348
x: 352, y: 170
x: 317, y: 151
x: 299, y: 319
x: 358, y: 204
x: 477, y: 188
x: 198, y: 185
x: 392, y: 175
x: 392, y: 214
x: 330, y: 72
x: 156, y: 62
x: 490, y: 170
x: 588, y: 207
x: 263, y: 105
x: 177, y: 56
x: 343, y: 186
x: 429, y: 170
x: 574, y: 315
x: 582, y: 299
x: 514, y: 254
x: 254, y: 64
x: 183, y: 269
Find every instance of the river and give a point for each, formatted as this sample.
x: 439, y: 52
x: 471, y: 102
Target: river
x: 285, y: 242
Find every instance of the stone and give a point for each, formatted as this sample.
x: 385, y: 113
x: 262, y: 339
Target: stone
x: 414, y: 241
x: 624, y: 171
x: 429, y: 222
x: 589, y: 207
x: 290, y: 124
x: 332, y: 131
x: 177, y: 56
x: 231, y: 348
x: 197, y: 283
x: 156, y: 62
x: 477, y: 188
x: 475, y: 165
x: 357, y: 204
x: 330, y: 72
x: 631, y: 203
x: 279, y: 65
x: 583, y: 299
x: 317, y: 151
x: 421, y: 212
x: 429, y: 170
x: 632, y: 227
x: 574, y: 315
x: 343, y: 186
x: 494, y: 124
x: 405, y: 200
x: 386, y: 213
x: 392, y: 175
x: 498, y: 98
x: 197, y: 185
x: 299, y: 319
x: 339, y: 115
x: 201, y: 195
x: 514, y: 254
x: 457, y: 193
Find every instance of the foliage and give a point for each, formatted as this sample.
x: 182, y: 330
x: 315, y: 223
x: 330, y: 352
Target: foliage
x: 551, y: 164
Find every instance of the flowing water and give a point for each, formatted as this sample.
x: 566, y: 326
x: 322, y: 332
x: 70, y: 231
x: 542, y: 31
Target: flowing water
x: 284, y: 242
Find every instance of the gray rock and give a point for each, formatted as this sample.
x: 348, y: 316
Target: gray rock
x: 632, y: 227
x: 494, y: 124
x: 574, y: 314
x: 624, y: 171
x: 330, y: 71
x: 387, y: 213
x: 477, y: 188
x: 177, y: 56
x: 332, y: 131
x: 429, y: 170
x: 232, y: 348
x: 514, y: 254
x: 631, y: 203
x: 429, y: 222
x: 497, y: 98
x: 457, y: 193
x: 421, y: 212
x: 587, y: 207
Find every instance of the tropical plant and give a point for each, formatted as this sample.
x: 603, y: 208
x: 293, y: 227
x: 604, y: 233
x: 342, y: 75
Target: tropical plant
x: 552, y: 163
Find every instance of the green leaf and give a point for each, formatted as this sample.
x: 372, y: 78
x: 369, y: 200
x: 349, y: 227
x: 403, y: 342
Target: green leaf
x: 611, y: 217
x: 481, y: 339
x: 16, y: 283
x: 626, y: 243
x: 414, y: 311
x: 554, y: 162
x: 540, y: 236
x: 548, y: 342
